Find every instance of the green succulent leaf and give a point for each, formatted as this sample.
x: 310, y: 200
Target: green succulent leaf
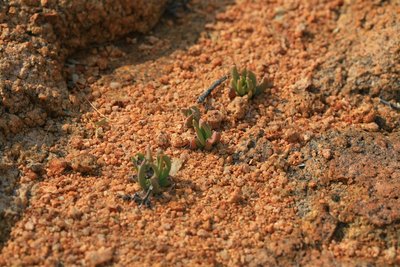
x: 251, y: 87
x: 155, y: 169
x: 206, y: 129
x: 244, y: 73
x: 196, y: 112
x: 246, y: 83
x: 198, y: 144
x: 159, y: 160
x: 186, y: 112
x: 154, y: 183
x: 149, y: 156
x: 243, y: 80
x: 235, y: 74
x: 192, y: 113
x: 199, y: 133
x: 245, y: 87
x: 252, y: 77
x: 240, y: 90
x: 234, y: 84
x: 189, y: 121
x: 137, y: 160
x: 159, y: 169
x: 142, y: 179
x: 164, y: 171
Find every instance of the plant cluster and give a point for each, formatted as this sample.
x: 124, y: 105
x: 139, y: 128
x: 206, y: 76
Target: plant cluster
x: 245, y: 83
x: 152, y: 175
x: 205, y: 137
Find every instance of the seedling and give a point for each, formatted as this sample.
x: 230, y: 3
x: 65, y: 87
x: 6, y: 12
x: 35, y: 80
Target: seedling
x: 246, y: 83
x: 192, y: 113
x: 99, y: 124
x: 152, y: 175
x: 205, y: 138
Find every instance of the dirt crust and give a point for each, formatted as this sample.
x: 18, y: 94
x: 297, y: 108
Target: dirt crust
x: 350, y: 181
x: 305, y: 174
x: 35, y: 38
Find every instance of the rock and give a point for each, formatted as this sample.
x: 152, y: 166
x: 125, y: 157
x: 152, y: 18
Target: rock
x: 30, y: 175
x: 264, y: 258
x: 224, y: 254
x: 326, y: 153
x: 202, y: 233
x: 236, y: 196
x: 85, y: 164
x: 370, y: 127
x: 238, y: 107
x: 176, y: 166
x: 292, y: 136
x: 163, y: 140
x: 178, y: 141
x: 76, y: 142
x: 167, y: 226
x: 56, y: 166
x: 170, y: 256
x: 176, y: 206
x: 15, y: 124
x: 29, y: 226
x: 74, y: 213
x: 36, y: 168
x: 100, y: 256
x: 115, y: 85
x: 215, y: 118
x: 390, y: 254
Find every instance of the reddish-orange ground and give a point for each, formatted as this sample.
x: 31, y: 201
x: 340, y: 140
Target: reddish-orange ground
x: 309, y: 174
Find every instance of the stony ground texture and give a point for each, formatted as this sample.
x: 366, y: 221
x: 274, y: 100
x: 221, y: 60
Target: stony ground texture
x: 35, y: 38
x: 307, y: 173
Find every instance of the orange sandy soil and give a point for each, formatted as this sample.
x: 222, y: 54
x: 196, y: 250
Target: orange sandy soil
x: 308, y: 174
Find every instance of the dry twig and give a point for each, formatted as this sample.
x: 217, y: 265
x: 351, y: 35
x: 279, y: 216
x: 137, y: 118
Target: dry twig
x: 204, y: 95
x: 389, y: 104
x: 101, y: 114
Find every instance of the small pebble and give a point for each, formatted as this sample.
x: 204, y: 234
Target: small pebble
x: 236, y: 196
x: 326, y: 153
x: 115, y: 85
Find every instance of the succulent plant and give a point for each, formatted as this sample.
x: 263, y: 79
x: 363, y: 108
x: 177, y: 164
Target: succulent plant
x: 245, y: 83
x: 192, y: 113
x: 152, y: 175
x: 205, y: 137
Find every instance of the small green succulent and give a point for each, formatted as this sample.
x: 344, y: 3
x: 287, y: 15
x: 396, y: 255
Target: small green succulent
x: 192, y: 113
x: 205, y: 137
x: 152, y: 175
x: 246, y: 83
